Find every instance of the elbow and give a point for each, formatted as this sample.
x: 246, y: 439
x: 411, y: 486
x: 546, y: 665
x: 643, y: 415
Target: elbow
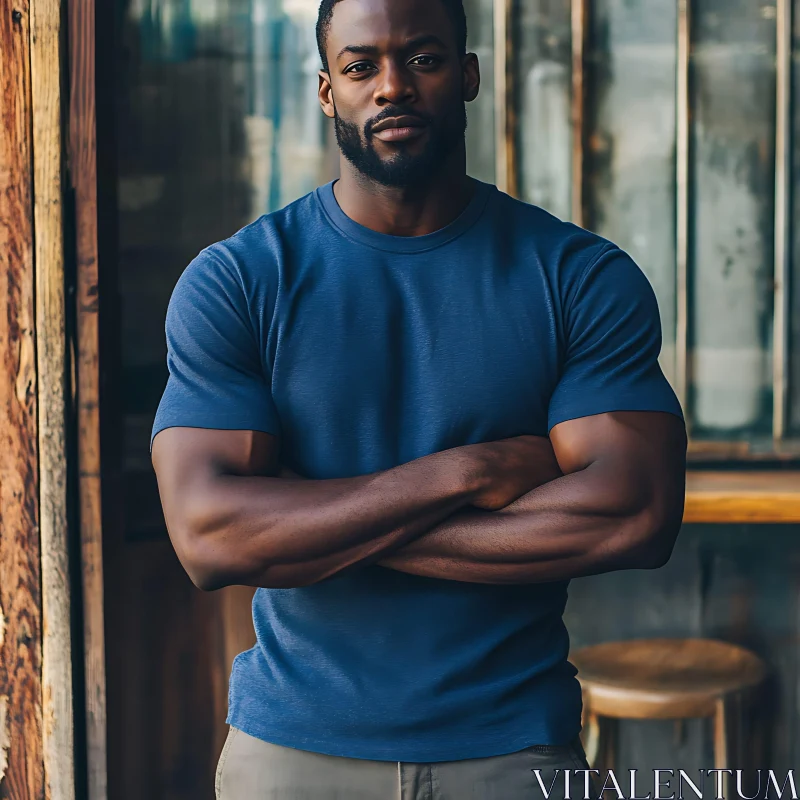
x: 657, y: 557
x: 205, y: 573
x: 207, y: 580
x: 200, y: 554
x: 651, y: 541
x: 210, y: 567
x: 215, y: 554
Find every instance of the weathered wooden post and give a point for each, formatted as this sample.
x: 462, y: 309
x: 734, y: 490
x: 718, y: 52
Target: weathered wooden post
x: 21, y: 758
x: 36, y: 712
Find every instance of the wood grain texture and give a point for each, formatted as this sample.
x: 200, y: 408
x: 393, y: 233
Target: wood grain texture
x: 46, y: 59
x: 163, y: 650
x: 781, y: 335
x: 22, y: 772
x: 83, y: 171
x: 664, y: 678
x: 742, y: 497
x: 682, y: 203
x: 579, y: 13
x: 504, y: 106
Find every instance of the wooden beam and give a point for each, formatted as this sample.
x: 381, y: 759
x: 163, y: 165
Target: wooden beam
x: 754, y: 496
x: 51, y: 348
x: 578, y: 19
x: 21, y: 759
x: 682, y: 167
x: 83, y: 164
x: 504, y: 106
x: 783, y: 182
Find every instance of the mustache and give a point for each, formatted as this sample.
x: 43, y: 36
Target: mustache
x: 394, y: 111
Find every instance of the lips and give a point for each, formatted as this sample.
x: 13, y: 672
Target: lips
x: 398, y: 122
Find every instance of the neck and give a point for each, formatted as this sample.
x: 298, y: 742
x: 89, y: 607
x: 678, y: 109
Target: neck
x: 407, y: 211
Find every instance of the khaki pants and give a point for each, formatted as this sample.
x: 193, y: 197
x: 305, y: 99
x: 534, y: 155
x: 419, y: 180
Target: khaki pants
x: 250, y: 769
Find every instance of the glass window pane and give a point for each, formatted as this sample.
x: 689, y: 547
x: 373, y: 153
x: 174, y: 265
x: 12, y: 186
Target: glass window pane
x: 480, y: 112
x: 286, y: 128
x: 542, y: 79
x: 217, y: 123
x: 630, y: 65
x: 731, y: 216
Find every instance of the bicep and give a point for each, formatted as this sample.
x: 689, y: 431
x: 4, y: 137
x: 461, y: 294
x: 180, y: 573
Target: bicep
x: 639, y: 457
x: 231, y: 452
x: 187, y: 460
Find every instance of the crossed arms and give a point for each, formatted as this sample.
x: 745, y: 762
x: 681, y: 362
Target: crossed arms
x: 603, y: 493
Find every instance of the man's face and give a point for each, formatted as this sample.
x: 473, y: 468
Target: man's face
x: 396, y: 88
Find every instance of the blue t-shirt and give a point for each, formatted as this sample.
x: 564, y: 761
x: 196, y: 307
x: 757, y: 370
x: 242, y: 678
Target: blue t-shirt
x: 363, y: 351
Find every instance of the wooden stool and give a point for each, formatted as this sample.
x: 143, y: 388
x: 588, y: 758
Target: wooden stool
x: 667, y: 679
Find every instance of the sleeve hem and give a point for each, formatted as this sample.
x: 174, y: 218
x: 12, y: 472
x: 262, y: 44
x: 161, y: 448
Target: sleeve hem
x: 593, y: 411
x: 273, y: 430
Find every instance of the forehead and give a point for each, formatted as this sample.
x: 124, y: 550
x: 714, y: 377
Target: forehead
x: 386, y: 23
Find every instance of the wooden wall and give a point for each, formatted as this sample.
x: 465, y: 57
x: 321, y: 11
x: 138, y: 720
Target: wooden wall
x: 21, y: 756
x: 36, y: 686
x: 170, y: 649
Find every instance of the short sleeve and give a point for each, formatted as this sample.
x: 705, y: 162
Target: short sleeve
x: 612, y: 330
x: 217, y: 377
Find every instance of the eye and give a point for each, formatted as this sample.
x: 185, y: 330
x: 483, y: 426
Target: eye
x: 425, y: 61
x: 359, y: 68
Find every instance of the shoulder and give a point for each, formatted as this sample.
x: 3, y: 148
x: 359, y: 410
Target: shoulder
x: 560, y: 243
x: 565, y: 251
x: 247, y: 264
x: 263, y: 243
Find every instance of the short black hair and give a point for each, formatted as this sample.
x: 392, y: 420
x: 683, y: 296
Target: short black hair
x: 454, y: 8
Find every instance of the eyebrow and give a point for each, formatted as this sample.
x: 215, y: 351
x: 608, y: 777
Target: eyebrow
x: 411, y: 44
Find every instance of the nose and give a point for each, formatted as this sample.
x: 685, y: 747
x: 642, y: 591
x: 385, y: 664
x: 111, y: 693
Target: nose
x: 396, y: 86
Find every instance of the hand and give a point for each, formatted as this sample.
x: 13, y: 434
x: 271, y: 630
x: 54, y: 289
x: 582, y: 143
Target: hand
x: 508, y: 468
x: 504, y: 470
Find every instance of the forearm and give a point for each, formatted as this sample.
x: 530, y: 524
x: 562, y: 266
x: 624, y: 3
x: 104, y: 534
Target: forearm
x: 580, y: 524
x: 263, y: 531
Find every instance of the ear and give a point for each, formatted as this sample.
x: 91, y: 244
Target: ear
x: 471, y: 72
x: 325, y: 94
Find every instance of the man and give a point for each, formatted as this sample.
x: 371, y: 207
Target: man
x: 409, y: 409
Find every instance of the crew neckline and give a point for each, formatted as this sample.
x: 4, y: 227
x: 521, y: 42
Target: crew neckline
x: 403, y: 244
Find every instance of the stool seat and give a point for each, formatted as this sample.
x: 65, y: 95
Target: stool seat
x: 668, y: 679
x: 664, y: 678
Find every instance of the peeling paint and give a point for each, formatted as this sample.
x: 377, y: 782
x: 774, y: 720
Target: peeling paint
x: 5, y: 739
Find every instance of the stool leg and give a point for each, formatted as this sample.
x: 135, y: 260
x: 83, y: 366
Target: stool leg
x: 721, y: 740
x: 591, y: 737
x: 728, y: 739
x: 609, y: 735
x: 600, y: 742
x: 757, y: 733
x: 721, y: 755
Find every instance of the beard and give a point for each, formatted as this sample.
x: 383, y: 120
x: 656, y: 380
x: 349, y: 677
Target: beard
x: 403, y: 169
